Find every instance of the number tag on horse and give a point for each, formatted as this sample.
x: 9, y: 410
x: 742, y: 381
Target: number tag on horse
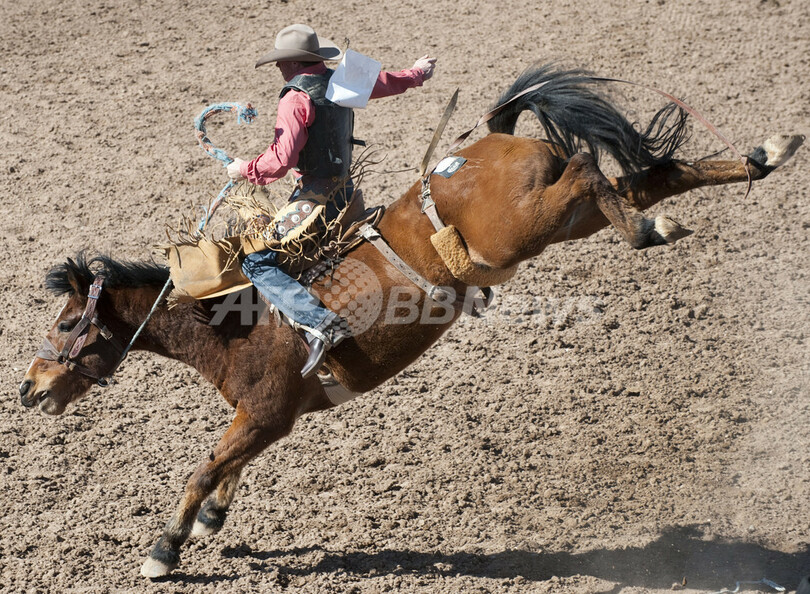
x: 449, y: 165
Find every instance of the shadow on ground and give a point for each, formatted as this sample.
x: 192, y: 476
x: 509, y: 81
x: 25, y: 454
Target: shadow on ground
x: 679, y: 553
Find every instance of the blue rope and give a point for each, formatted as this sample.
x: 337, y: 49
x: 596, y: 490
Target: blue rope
x: 244, y: 115
x: 210, y: 211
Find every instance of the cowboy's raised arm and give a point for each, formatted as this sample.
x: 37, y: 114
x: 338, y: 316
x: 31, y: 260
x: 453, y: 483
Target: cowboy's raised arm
x: 394, y: 83
x: 426, y: 64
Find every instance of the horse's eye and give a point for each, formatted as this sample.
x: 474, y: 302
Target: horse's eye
x: 65, y: 326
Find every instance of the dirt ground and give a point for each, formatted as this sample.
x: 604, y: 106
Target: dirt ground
x: 620, y: 422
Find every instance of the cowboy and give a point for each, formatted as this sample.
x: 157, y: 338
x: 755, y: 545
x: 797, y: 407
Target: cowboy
x: 314, y: 139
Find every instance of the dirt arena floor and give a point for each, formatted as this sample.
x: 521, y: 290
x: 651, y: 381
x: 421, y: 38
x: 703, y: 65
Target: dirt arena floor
x: 621, y: 422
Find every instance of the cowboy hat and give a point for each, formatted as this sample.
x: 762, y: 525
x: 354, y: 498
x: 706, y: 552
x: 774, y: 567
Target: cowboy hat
x: 300, y: 43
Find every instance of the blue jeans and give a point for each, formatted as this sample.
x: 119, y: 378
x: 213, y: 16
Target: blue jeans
x: 283, y: 291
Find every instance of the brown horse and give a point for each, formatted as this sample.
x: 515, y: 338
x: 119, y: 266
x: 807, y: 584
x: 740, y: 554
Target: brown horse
x: 512, y: 198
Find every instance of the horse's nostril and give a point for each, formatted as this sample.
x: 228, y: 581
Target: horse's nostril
x: 25, y: 386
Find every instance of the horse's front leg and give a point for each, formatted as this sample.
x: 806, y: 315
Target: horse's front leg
x: 243, y: 440
x: 213, y: 512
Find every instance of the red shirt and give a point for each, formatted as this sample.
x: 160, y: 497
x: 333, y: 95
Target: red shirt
x: 296, y: 114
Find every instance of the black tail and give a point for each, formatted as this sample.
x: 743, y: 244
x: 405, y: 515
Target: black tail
x: 574, y: 113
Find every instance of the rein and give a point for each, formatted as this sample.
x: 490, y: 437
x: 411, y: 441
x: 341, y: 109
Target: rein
x: 78, y: 336
x: 244, y: 115
x: 135, y: 336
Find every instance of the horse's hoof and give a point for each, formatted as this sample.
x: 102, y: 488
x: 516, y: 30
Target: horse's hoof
x: 152, y: 568
x: 201, y: 529
x: 780, y: 148
x: 669, y: 230
x: 210, y: 520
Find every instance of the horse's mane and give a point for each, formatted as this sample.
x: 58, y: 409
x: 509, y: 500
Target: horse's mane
x: 117, y: 274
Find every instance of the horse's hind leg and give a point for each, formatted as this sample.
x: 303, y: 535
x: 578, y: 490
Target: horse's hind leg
x: 213, y: 512
x: 625, y: 216
x: 648, y: 187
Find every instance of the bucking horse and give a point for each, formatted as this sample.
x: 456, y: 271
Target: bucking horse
x: 511, y: 198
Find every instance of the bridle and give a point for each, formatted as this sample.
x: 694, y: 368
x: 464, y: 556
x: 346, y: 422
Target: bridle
x: 78, y: 336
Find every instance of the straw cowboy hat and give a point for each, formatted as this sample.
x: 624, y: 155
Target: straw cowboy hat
x: 300, y: 43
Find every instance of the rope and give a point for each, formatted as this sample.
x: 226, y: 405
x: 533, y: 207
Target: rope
x: 209, y: 212
x: 693, y: 112
x: 105, y: 381
x: 244, y: 115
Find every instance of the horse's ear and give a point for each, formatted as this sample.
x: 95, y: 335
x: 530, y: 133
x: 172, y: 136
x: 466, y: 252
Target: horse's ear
x: 75, y: 279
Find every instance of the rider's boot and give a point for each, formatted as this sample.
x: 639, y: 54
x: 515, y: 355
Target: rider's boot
x: 317, y: 353
x: 320, y: 339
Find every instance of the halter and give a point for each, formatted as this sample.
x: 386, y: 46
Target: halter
x: 78, y: 336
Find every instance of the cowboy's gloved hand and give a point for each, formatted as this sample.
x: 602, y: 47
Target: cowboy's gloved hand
x: 233, y: 170
x: 426, y: 64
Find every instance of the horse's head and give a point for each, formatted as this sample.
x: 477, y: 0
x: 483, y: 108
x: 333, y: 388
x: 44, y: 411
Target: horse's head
x: 79, y: 350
